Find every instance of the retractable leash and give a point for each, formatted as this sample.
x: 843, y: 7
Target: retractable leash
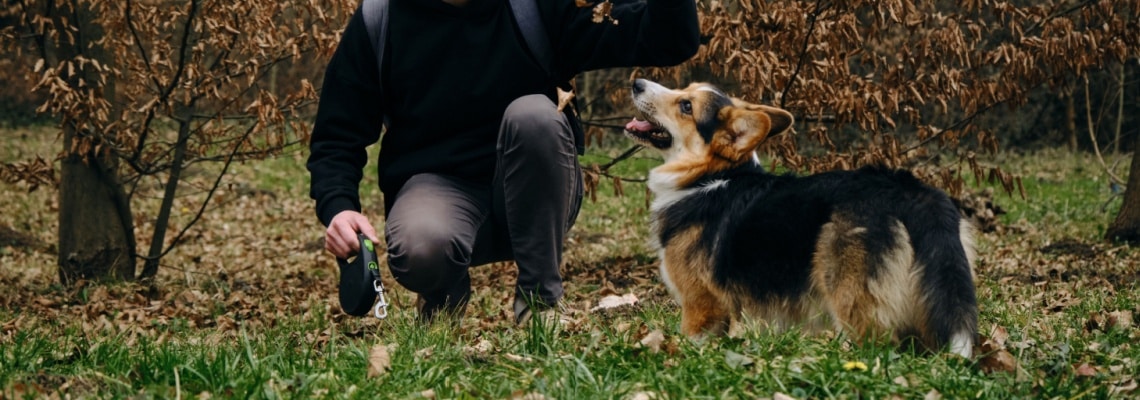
x: 360, y: 284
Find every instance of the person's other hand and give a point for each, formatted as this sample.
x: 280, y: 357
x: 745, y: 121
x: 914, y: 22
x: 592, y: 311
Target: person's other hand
x: 341, y: 236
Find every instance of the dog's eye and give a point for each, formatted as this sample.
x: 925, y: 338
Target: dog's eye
x: 686, y: 107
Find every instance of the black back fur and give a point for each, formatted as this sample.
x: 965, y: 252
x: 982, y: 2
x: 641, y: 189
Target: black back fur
x: 762, y: 229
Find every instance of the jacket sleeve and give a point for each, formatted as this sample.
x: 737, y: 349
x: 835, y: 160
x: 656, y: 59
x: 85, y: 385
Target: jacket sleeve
x: 654, y: 33
x: 349, y: 119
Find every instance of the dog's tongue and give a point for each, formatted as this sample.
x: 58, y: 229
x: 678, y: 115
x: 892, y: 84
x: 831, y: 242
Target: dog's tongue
x: 637, y: 125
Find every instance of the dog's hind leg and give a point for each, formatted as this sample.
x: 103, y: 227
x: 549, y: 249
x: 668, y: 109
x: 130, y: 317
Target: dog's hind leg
x: 839, y: 276
x: 943, y: 252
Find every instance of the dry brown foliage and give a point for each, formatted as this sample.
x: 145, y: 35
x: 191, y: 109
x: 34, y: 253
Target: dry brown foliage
x: 206, y: 65
x: 165, y: 84
x: 159, y: 86
x: 905, y: 76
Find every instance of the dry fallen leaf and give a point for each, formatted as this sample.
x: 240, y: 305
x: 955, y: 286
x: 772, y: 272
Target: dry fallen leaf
x: 1095, y: 322
x: 994, y: 356
x: 737, y: 360
x: 528, y: 396
x: 998, y: 336
x: 781, y: 396
x: 1121, y: 320
x: 653, y: 340
x: 480, y: 348
x: 1084, y: 370
x: 643, y: 396
x: 425, y: 353
x: 612, y: 301
x: 998, y: 361
x: 378, y: 361
x: 602, y: 12
x: 517, y: 358
x: 1124, y: 387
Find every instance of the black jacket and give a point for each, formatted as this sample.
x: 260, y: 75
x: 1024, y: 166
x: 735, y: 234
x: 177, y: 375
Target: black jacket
x: 450, y: 72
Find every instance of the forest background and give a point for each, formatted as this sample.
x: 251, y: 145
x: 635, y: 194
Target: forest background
x: 160, y: 144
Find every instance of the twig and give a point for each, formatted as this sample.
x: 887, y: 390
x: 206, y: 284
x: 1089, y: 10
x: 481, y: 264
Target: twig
x: 957, y: 125
x: 1053, y: 16
x: 132, y: 161
x: 627, y: 154
x: 164, y: 94
x: 803, y: 51
x: 185, y: 45
x: 1092, y: 136
x: 139, y: 44
x: 210, y: 194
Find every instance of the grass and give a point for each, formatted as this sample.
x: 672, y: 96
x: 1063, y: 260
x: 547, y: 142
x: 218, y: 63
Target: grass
x: 246, y: 309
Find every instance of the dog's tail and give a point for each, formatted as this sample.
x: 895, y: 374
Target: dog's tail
x: 944, y: 251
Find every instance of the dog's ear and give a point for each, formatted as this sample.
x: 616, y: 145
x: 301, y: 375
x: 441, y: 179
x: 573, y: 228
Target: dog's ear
x: 741, y: 131
x: 781, y: 120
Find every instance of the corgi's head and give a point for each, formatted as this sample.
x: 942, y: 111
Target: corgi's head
x: 701, y: 127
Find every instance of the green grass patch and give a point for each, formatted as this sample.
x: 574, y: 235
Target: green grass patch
x: 246, y: 309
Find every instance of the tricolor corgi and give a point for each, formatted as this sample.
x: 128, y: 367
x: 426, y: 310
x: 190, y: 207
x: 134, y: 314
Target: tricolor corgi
x: 874, y: 253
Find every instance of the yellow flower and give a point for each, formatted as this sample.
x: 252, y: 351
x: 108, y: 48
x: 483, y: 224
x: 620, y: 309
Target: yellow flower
x: 852, y: 365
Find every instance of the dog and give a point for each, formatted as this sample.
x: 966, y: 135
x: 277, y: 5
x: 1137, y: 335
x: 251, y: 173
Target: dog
x: 874, y: 253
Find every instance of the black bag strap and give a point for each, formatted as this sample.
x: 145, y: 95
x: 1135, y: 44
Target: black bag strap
x: 375, y: 13
x: 534, y: 33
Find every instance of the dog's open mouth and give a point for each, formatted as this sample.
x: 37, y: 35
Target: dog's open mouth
x: 648, y: 133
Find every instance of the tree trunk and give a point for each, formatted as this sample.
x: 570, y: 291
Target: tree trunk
x: 94, y: 241
x: 96, y: 232
x: 1126, y: 227
x: 1119, y: 109
x: 1071, y: 119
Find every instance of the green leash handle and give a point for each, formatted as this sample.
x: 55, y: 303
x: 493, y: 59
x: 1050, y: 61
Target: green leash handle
x: 360, y: 282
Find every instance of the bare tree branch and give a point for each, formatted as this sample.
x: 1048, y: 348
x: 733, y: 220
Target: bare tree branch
x: 1092, y: 136
x: 819, y: 8
x: 210, y: 195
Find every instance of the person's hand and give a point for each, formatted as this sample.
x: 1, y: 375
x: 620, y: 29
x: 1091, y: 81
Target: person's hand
x: 341, y: 236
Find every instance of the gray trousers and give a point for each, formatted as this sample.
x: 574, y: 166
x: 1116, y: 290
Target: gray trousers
x: 440, y: 226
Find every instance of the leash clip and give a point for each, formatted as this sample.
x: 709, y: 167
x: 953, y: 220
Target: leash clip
x: 381, y: 309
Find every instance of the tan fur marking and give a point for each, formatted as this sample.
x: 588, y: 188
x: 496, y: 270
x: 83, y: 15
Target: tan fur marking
x: 840, y: 274
x: 966, y: 233
x: 703, y: 306
x: 688, y: 169
x: 896, y: 287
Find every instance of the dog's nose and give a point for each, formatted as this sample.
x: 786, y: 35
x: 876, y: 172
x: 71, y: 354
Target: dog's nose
x: 638, y: 86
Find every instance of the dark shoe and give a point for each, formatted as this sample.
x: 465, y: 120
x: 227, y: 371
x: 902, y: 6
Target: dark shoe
x: 452, y: 303
x: 550, y: 315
